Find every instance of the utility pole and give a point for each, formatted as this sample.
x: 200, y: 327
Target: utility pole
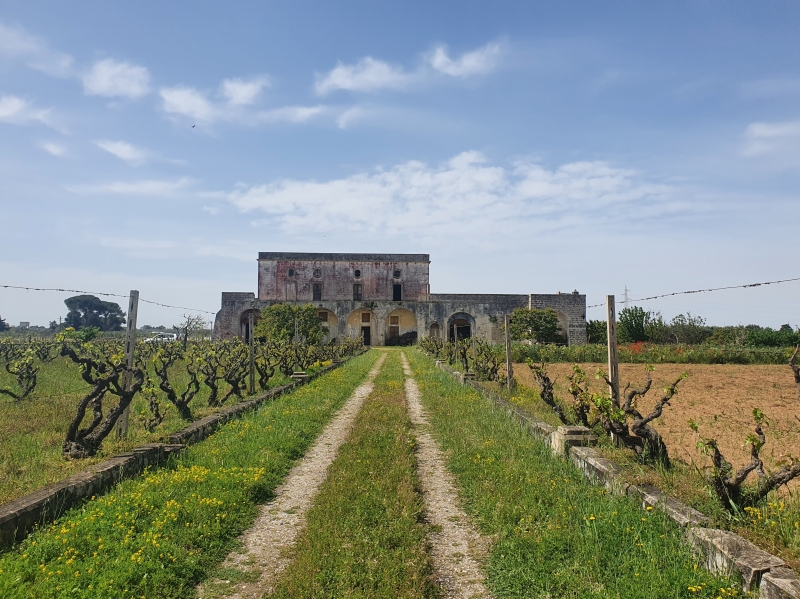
x: 130, y: 349
x: 626, y: 298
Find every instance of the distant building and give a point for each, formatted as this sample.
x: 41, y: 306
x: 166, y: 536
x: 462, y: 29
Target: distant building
x: 379, y: 296
x: 24, y: 325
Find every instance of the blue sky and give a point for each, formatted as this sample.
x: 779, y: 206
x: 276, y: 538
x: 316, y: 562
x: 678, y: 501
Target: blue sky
x: 529, y: 147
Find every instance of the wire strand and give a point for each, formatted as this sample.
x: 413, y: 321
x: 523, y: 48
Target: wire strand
x: 104, y: 294
x: 653, y: 297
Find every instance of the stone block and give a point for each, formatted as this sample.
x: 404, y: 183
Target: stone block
x: 599, y: 470
x: 681, y: 514
x: 725, y: 552
x: 565, y: 437
x: 779, y: 583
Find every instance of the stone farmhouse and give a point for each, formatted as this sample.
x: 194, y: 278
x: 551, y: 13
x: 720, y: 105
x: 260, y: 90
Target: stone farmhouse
x: 379, y: 296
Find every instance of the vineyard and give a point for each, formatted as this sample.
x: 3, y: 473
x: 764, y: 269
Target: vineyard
x: 348, y: 485
x: 720, y: 429
x: 61, y: 400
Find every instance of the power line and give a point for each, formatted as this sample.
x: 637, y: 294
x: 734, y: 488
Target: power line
x: 104, y: 294
x: 653, y: 297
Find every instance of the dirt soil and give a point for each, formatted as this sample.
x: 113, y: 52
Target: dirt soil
x: 720, y: 397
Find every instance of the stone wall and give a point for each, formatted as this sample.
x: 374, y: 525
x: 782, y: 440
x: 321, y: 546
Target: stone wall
x: 292, y: 276
x: 484, y: 313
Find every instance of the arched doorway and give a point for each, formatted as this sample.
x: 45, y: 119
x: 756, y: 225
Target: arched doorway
x: 401, y: 327
x: 362, y: 323
x: 329, y: 324
x: 244, y: 323
x: 435, y: 330
x: 461, y: 324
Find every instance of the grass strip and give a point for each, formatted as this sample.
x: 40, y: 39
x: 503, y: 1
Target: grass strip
x: 557, y: 536
x: 161, y: 534
x: 364, y: 535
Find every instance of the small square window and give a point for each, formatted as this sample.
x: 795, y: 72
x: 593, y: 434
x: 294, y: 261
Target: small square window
x: 323, y: 316
x: 365, y: 317
x: 394, y: 320
x: 317, y: 273
x: 291, y: 272
x: 397, y: 274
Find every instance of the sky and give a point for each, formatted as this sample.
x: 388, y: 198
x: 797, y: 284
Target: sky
x: 528, y: 147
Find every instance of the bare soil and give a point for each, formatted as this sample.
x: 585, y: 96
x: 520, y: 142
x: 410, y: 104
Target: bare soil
x: 720, y: 397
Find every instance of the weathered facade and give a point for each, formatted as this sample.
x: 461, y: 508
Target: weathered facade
x: 378, y: 296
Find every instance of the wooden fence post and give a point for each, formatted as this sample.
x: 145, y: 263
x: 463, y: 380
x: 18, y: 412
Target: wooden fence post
x: 130, y: 350
x: 250, y: 323
x: 613, y: 363
x: 509, y: 367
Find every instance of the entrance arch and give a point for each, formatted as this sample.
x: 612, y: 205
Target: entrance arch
x: 244, y: 323
x: 461, y: 324
x: 329, y: 324
x: 435, y: 330
x: 401, y: 327
x: 362, y: 323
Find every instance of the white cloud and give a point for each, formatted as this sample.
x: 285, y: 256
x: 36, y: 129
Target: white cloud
x: 370, y: 74
x: 114, y: 79
x: 146, y: 187
x: 19, y: 112
x: 18, y: 43
x: 465, y: 194
x: 772, y: 138
x: 195, y: 105
x: 187, y: 101
x: 124, y: 151
x: 54, y: 148
x: 477, y: 62
x: 349, y: 116
x: 241, y: 92
x: 365, y: 76
x: 290, y: 114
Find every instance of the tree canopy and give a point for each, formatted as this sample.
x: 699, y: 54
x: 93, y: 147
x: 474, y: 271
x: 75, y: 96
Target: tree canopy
x: 91, y: 311
x: 276, y: 323
x: 540, y: 326
x: 3, y: 325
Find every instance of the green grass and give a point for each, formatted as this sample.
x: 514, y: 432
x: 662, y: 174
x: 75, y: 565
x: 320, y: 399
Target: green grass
x: 556, y: 535
x: 364, y: 535
x: 32, y: 431
x: 651, y: 353
x: 161, y: 534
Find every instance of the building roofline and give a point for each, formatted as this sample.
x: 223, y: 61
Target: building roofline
x: 333, y: 257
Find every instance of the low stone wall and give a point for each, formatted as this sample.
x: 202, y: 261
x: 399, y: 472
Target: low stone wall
x: 19, y: 517
x: 723, y: 552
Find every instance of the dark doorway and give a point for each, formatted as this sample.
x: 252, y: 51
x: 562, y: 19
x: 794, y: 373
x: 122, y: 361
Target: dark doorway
x: 460, y: 327
x: 365, y: 334
x: 397, y: 292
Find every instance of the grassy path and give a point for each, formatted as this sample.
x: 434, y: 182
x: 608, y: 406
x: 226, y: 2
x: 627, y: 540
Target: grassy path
x: 365, y: 536
x: 556, y: 535
x: 457, y: 549
x: 159, y: 535
x: 262, y: 556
